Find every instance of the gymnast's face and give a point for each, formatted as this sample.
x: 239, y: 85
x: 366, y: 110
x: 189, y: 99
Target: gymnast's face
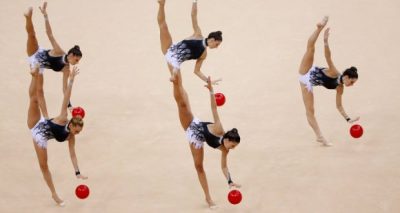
x: 230, y: 144
x: 348, y: 82
x: 75, y: 129
x: 212, y: 43
x: 73, y: 59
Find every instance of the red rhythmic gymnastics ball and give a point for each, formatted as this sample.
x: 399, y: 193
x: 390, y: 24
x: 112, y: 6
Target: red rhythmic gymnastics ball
x: 235, y: 197
x: 219, y: 98
x: 78, y: 111
x: 82, y: 191
x: 356, y: 131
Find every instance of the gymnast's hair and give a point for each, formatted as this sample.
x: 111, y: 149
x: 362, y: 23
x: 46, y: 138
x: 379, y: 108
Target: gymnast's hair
x: 76, y: 51
x: 217, y: 35
x: 232, y: 135
x: 76, y: 121
x: 351, y: 72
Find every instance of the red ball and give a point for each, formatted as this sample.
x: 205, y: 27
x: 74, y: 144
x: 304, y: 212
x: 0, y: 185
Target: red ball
x: 82, y: 191
x: 235, y: 196
x: 356, y: 131
x: 78, y: 111
x: 219, y: 98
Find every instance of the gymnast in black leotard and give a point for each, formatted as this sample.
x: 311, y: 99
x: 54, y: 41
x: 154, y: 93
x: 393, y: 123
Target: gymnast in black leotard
x: 198, y: 133
x: 59, y: 128
x: 329, y: 77
x: 55, y: 59
x: 193, y: 47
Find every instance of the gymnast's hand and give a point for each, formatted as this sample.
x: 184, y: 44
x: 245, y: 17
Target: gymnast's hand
x: 75, y: 72
x: 209, y: 84
x: 235, y: 185
x: 354, y: 120
x: 215, y: 82
x: 81, y: 177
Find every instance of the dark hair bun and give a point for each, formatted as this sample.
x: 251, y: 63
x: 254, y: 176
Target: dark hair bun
x: 232, y: 135
x: 217, y: 35
x: 76, y: 51
x: 351, y: 72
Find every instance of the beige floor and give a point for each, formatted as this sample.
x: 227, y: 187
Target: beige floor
x: 133, y: 148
